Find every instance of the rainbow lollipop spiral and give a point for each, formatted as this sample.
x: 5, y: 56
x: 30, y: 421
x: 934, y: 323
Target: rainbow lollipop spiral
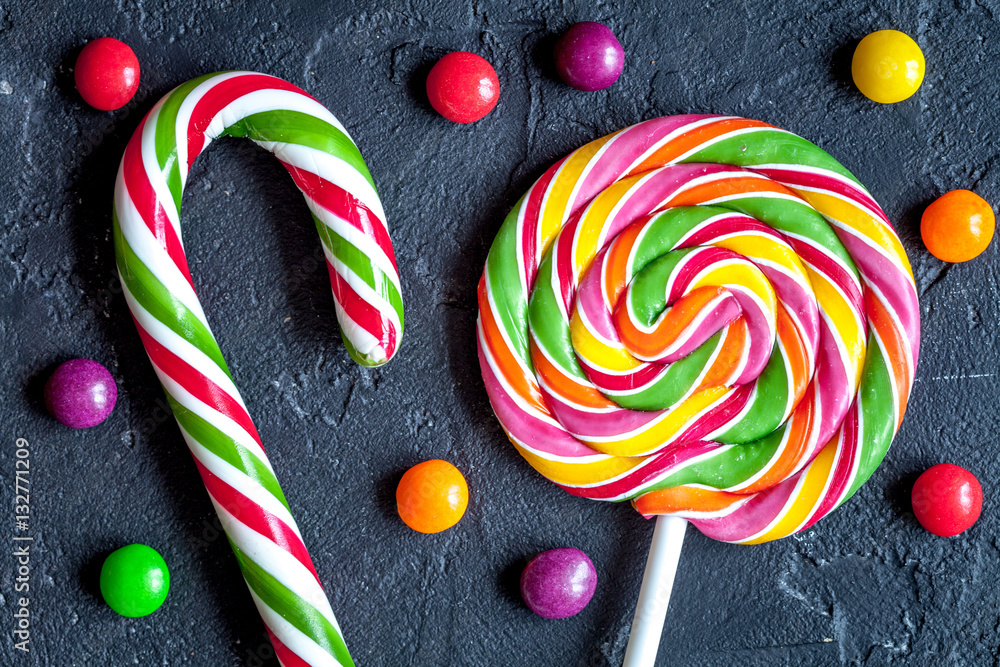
x: 707, y: 316
x: 327, y: 167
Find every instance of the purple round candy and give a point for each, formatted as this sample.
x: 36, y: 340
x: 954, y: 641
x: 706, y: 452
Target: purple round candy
x: 589, y: 56
x: 558, y: 583
x: 81, y: 393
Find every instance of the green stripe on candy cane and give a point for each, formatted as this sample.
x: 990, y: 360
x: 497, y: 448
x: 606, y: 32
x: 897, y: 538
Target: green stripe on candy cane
x: 159, y: 302
x: 226, y: 449
x: 359, y: 263
x: 166, y: 135
x: 291, y: 607
x: 288, y: 127
x: 294, y: 127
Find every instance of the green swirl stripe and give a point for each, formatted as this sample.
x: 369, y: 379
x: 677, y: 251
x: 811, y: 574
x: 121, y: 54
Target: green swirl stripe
x: 770, y: 146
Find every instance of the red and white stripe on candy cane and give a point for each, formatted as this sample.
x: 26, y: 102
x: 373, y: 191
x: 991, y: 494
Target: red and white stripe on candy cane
x: 326, y: 166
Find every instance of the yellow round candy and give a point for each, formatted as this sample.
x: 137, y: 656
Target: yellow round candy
x: 888, y: 66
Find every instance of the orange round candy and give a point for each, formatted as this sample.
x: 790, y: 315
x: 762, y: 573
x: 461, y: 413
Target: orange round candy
x: 432, y: 496
x: 957, y: 226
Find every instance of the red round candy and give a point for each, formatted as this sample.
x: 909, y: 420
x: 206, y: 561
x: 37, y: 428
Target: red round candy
x: 106, y: 74
x: 463, y: 87
x: 947, y: 499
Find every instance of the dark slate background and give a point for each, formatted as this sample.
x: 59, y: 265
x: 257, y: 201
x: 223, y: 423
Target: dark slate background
x: 865, y: 586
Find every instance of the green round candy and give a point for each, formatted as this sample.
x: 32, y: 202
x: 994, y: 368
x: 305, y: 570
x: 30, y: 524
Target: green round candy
x: 135, y: 580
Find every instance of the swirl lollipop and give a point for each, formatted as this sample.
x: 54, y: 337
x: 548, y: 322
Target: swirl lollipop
x: 707, y: 316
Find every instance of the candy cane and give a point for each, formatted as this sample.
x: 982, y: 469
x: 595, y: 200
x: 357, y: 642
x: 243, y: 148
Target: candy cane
x: 707, y: 316
x: 327, y: 167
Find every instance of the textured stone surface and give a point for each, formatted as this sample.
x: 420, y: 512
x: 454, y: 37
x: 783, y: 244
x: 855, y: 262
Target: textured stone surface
x: 865, y: 586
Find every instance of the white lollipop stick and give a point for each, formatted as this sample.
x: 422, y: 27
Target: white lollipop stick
x: 657, y: 582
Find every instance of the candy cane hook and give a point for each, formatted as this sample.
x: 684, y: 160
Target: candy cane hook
x: 327, y: 167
